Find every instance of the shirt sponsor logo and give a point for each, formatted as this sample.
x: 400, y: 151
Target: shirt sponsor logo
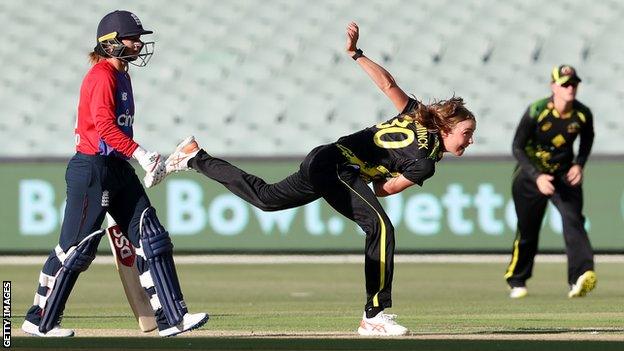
x: 125, y: 120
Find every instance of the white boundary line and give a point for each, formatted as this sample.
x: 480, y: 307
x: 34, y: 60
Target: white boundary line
x: 331, y: 259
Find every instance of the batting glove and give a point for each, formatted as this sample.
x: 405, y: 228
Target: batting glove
x: 153, y: 164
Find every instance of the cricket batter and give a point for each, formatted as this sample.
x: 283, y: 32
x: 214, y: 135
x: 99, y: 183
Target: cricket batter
x: 548, y: 170
x: 100, y: 179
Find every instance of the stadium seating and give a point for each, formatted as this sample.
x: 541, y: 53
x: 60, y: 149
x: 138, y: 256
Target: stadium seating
x: 270, y: 78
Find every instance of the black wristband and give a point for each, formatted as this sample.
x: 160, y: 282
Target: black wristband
x: 358, y: 53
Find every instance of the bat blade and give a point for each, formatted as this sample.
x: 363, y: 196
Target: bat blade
x: 126, y: 263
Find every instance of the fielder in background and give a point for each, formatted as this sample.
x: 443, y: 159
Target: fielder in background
x: 548, y: 170
x: 100, y: 179
x: 393, y: 156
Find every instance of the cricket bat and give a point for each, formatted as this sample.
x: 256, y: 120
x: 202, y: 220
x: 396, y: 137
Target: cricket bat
x: 125, y: 260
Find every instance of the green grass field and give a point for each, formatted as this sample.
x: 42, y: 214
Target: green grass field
x: 318, y: 307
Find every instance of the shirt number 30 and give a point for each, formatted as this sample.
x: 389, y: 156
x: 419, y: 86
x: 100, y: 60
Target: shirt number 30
x: 396, y: 126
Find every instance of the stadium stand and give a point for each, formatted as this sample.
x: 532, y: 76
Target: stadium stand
x: 270, y: 78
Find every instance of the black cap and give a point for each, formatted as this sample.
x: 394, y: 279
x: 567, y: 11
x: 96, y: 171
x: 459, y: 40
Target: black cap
x: 124, y: 23
x: 563, y: 74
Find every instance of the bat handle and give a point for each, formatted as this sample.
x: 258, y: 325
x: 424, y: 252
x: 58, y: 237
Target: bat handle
x: 110, y: 221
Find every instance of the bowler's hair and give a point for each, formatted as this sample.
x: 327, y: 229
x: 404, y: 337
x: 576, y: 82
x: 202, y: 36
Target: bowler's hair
x: 440, y: 115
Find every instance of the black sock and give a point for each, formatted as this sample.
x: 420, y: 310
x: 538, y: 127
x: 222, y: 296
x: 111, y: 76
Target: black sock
x: 373, y: 311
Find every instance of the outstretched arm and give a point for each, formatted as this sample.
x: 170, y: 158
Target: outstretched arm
x: 378, y: 74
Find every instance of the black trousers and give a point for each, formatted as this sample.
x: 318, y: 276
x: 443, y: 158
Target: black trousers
x: 321, y: 174
x: 530, y: 207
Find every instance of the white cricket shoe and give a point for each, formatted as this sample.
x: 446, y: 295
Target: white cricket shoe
x: 584, y: 284
x: 381, y: 325
x: 518, y: 292
x: 56, y: 332
x: 189, y: 322
x: 178, y: 160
